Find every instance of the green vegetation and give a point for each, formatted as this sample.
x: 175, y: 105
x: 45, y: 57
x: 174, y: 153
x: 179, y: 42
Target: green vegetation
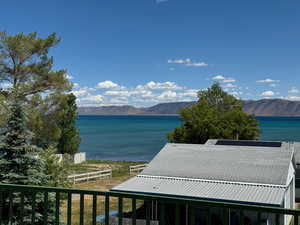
x: 26, y: 74
x: 57, y: 170
x: 37, y: 116
x: 20, y: 164
x: 69, y: 138
x: 216, y: 115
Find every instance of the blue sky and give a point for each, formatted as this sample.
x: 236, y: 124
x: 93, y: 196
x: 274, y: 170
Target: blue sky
x: 143, y: 52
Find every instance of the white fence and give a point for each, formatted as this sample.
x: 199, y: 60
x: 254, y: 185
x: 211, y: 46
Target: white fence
x: 137, y: 168
x: 102, y: 174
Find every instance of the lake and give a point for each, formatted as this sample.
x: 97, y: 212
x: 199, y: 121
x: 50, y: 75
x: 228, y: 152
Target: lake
x: 139, y: 138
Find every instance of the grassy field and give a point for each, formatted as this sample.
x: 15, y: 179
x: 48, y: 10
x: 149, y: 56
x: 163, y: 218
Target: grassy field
x: 120, y: 174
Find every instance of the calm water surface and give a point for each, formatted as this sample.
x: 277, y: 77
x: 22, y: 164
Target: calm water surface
x: 139, y: 138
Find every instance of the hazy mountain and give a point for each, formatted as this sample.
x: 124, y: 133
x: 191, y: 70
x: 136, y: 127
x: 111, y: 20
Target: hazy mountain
x: 273, y: 107
x: 264, y: 107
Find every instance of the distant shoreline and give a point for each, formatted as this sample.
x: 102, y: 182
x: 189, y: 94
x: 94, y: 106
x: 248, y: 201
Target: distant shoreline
x: 263, y: 107
x: 128, y: 114
x: 175, y: 115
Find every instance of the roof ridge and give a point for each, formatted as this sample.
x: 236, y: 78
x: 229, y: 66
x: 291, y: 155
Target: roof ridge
x: 212, y: 181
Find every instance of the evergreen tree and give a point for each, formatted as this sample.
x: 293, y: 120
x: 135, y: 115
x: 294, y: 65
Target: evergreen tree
x: 20, y: 164
x: 69, y: 138
x: 27, y: 73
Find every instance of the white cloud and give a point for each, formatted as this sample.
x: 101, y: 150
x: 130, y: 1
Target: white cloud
x: 197, y: 64
x: 107, y: 84
x: 189, y: 93
x: 268, y: 94
x: 273, y: 85
x: 230, y: 85
x: 117, y: 93
x: 167, y: 95
x: 218, y: 77
x: 293, y: 90
x: 179, y: 61
x: 92, y: 98
x: 293, y: 98
x: 229, y: 80
x: 141, y: 95
x: 159, y: 86
x: 225, y: 80
x: 119, y: 100
x: 187, y: 62
x: 267, y: 80
x: 80, y: 93
x: 236, y: 94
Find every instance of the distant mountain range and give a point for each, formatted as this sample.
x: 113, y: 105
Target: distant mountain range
x: 264, y: 107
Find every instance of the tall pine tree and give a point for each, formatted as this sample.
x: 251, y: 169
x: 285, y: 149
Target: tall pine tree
x: 20, y: 164
x: 69, y: 139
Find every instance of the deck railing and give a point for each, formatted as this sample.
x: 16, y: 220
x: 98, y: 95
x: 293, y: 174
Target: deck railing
x: 19, y: 205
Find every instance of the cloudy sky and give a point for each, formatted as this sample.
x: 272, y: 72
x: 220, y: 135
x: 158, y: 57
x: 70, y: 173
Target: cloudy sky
x: 143, y: 52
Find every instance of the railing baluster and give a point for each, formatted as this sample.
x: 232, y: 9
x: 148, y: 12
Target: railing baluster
x: 192, y: 217
x: 296, y: 219
x: 258, y: 218
x: 277, y: 219
x: 148, y: 212
x: 225, y: 216
x: 33, y: 205
x: 69, y: 210
x: 241, y: 217
x: 94, y: 215
x: 57, y: 206
x: 177, y: 214
x: 162, y: 219
x: 120, y: 211
x: 81, y: 209
x: 45, y: 208
x: 133, y: 205
x: 22, y: 208
x: 1, y: 206
x: 107, y: 209
x: 208, y: 216
x: 10, y: 213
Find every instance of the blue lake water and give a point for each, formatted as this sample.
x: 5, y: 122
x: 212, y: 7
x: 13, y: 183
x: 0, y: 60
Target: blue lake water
x: 139, y: 138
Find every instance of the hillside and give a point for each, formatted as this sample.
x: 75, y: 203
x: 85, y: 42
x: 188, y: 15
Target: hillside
x: 264, y: 107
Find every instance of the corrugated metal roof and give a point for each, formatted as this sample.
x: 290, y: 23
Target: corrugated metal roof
x: 263, y: 165
x: 297, y: 152
x: 222, y: 191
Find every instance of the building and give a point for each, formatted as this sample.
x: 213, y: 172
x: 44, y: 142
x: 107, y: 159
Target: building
x: 244, y: 172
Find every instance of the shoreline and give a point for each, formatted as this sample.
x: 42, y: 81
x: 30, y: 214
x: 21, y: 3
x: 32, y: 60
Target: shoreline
x: 178, y: 115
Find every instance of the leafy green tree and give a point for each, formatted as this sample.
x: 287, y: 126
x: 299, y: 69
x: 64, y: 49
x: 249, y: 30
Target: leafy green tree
x: 20, y: 164
x: 26, y: 69
x: 217, y: 115
x: 215, y: 96
x: 44, y: 115
x: 69, y: 139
